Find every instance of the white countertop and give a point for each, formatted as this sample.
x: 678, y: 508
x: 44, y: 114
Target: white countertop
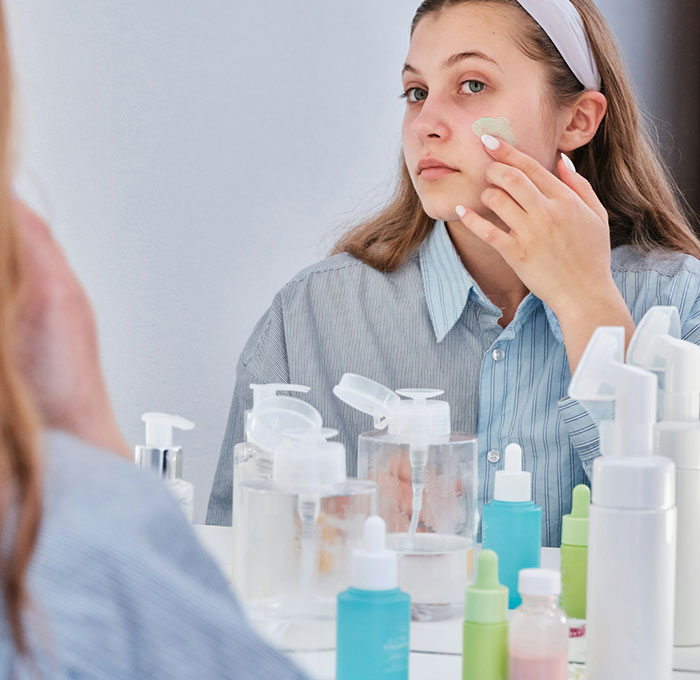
x: 436, y: 648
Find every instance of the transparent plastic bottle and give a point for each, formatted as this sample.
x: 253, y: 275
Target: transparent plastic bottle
x: 295, y: 541
x: 163, y: 458
x: 252, y: 459
x: 427, y: 478
x: 538, y: 635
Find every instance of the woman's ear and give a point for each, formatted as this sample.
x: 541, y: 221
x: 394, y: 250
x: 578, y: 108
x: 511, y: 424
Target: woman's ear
x: 582, y: 120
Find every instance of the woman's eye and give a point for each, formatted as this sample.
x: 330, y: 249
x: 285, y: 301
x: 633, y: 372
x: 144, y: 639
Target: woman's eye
x: 415, y: 94
x: 472, y: 86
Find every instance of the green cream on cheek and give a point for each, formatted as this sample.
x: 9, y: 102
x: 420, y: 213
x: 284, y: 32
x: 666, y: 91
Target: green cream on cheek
x: 497, y: 127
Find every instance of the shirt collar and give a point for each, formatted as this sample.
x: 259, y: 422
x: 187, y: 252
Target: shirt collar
x: 448, y: 284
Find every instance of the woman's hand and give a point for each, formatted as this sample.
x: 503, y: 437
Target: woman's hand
x: 558, y: 243
x: 58, y: 350
x: 559, y: 238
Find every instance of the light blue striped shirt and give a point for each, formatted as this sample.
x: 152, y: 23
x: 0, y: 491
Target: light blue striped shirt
x: 428, y: 324
x: 121, y: 589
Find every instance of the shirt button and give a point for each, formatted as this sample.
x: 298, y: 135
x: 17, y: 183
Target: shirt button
x: 493, y: 456
x: 498, y: 354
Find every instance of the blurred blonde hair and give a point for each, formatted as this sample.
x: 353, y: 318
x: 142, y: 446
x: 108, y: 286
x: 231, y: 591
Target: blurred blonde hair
x: 20, y: 481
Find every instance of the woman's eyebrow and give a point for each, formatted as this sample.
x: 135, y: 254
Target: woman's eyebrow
x: 456, y: 58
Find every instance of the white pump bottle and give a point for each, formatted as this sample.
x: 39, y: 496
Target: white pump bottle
x: 632, y: 525
x: 656, y: 346
x: 160, y: 456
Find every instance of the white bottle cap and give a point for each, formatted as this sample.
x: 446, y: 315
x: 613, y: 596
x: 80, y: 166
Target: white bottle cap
x: 271, y: 417
x: 367, y: 396
x: 627, y: 475
x: 656, y: 346
x: 539, y: 582
x: 306, y: 463
x: 417, y: 417
x: 268, y: 390
x: 513, y: 484
x: 414, y: 417
x: 373, y: 566
x: 159, y: 429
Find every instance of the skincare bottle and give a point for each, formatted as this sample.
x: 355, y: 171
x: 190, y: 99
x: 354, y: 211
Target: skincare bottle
x: 295, y: 538
x: 374, y: 616
x: 485, y: 631
x: 252, y: 459
x: 538, y: 634
x: 512, y: 523
x: 574, y: 564
x: 161, y: 457
x: 427, y: 476
x: 632, y: 522
x: 656, y: 346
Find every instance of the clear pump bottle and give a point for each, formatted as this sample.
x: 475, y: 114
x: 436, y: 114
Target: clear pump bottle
x: 160, y: 456
x: 512, y: 523
x: 295, y: 540
x: 252, y: 459
x: 538, y: 634
x: 632, y: 522
x: 657, y: 347
x: 427, y: 479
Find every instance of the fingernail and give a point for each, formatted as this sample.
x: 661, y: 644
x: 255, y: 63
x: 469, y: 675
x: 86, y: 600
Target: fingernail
x: 461, y: 210
x: 568, y: 163
x: 490, y: 142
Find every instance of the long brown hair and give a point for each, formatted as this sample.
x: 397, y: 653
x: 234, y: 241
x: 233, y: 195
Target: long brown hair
x: 645, y: 206
x: 20, y: 483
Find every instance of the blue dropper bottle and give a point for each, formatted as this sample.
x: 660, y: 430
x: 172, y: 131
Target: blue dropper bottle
x: 512, y: 523
x: 374, y: 616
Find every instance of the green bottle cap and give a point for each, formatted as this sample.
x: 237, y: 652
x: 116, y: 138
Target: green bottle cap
x: 487, y: 600
x: 574, y: 527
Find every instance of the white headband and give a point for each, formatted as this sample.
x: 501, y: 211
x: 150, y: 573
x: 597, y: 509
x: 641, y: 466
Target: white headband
x: 561, y: 21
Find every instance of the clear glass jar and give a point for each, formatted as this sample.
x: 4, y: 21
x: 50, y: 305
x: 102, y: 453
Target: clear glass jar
x: 436, y: 554
x: 294, y: 555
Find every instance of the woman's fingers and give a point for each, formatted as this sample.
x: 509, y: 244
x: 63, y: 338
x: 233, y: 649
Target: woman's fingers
x: 581, y: 186
x: 485, y: 230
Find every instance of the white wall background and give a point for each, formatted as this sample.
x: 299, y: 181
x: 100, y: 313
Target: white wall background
x: 192, y: 156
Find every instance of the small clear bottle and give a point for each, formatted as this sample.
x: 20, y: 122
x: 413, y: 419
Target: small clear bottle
x: 538, y: 637
x: 164, y: 459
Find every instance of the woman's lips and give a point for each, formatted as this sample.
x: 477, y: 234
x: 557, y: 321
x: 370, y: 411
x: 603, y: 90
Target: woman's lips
x: 432, y: 168
x: 436, y: 172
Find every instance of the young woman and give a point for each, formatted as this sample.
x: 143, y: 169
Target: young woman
x: 498, y: 256
x: 100, y: 574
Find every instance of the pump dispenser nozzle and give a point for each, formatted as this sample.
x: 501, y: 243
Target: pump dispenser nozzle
x: 158, y: 453
x: 629, y: 481
x: 656, y: 346
x: 601, y: 375
x: 268, y: 390
x: 159, y: 429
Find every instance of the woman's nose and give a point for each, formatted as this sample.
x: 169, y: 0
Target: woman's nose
x: 431, y: 122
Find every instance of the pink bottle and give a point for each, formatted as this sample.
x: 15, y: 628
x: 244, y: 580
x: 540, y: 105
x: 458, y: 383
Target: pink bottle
x: 538, y: 633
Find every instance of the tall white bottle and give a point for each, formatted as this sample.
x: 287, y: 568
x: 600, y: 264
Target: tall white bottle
x: 632, y: 524
x: 656, y: 346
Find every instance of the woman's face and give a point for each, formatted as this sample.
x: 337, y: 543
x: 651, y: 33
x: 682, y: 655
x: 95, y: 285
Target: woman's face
x: 463, y: 67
